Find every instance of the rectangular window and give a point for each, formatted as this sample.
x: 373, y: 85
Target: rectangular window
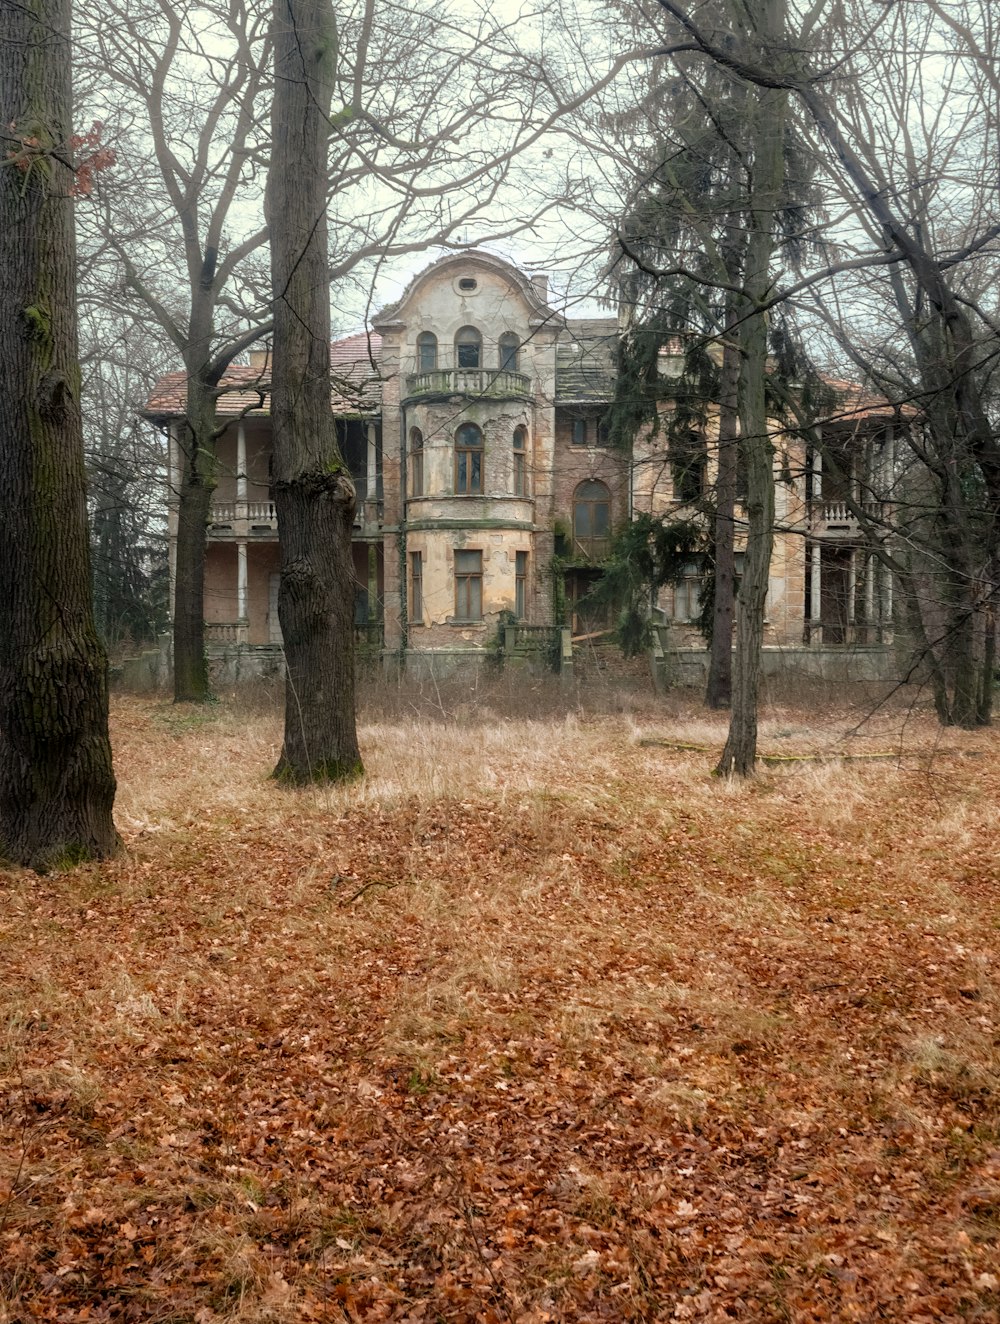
x: 579, y: 437
x: 416, y: 588
x: 520, y: 463
x: 687, y: 594
x: 468, y: 586
x: 521, y: 585
x: 468, y: 472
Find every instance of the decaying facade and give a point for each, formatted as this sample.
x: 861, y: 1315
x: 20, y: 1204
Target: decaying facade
x: 472, y: 419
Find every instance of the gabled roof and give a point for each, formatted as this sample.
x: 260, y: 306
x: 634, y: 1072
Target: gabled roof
x: 245, y: 389
x: 587, y: 361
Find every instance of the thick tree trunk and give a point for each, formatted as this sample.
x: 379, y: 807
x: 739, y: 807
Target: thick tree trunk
x: 198, y: 476
x: 56, y: 781
x: 314, y: 494
x: 767, y: 176
x: 719, y: 690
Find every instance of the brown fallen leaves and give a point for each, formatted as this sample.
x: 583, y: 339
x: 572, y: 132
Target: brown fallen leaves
x: 537, y: 1024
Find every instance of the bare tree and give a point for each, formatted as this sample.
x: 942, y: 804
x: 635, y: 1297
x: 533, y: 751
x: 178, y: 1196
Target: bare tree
x: 887, y: 178
x: 56, y: 781
x: 313, y: 490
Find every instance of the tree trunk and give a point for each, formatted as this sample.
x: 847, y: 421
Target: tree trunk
x: 198, y: 475
x: 719, y: 690
x: 767, y: 175
x: 314, y: 494
x: 56, y: 781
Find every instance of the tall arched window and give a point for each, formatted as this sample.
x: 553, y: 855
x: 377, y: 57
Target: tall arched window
x: 520, y: 462
x: 427, y: 351
x: 592, y: 520
x: 468, y: 348
x: 509, y: 346
x: 416, y: 462
x: 468, y: 461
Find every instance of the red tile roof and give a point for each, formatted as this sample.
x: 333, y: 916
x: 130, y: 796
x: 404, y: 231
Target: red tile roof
x: 245, y: 389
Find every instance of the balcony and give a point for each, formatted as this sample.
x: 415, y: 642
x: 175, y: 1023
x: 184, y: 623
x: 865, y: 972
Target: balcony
x: 834, y: 519
x: 242, y: 519
x: 480, y: 383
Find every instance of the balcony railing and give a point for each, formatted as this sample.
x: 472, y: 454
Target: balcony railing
x: 837, y: 516
x: 227, y: 632
x: 494, y: 384
x: 227, y: 514
x: 591, y: 549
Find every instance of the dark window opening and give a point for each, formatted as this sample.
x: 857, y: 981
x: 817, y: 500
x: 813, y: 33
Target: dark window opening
x: 509, y: 347
x: 468, y: 283
x: 468, y: 348
x: 688, y: 462
x: 579, y: 435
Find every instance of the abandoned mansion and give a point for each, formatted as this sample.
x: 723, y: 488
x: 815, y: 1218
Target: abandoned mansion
x: 471, y: 416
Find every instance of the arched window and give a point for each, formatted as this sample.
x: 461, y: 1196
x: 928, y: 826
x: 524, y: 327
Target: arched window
x: 468, y: 461
x: 427, y: 351
x: 416, y: 462
x: 592, y: 520
x: 520, y: 462
x: 468, y: 348
x: 509, y: 346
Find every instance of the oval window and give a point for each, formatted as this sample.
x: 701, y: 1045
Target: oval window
x: 468, y: 283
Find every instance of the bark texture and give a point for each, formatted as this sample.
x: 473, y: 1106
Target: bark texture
x: 719, y: 687
x: 767, y: 175
x: 56, y: 781
x: 314, y: 494
x: 196, y: 440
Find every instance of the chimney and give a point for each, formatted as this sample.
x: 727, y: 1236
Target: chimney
x: 541, y: 284
x: 260, y: 359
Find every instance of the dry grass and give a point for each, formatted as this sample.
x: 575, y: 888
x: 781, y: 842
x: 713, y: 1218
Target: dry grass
x: 535, y: 1022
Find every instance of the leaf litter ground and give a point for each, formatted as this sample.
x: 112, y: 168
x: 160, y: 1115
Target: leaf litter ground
x: 539, y: 1022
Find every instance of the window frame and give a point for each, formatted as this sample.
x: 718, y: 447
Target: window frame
x: 467, y: 339
x: 416, y: 463
x: 521, y: 585
x: 427, y: 361
x: 595, y: 546
x: 520, y: 453
x: 464, y: 454
x: 468, y: 585
x: 508, y: 352
x: 578, y: 432
x: 416, y: 616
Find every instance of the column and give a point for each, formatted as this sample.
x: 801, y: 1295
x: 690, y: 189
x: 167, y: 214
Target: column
x: 242, y: 607
x: 852, y: 594
x: 372, y: 470
x: 241, y: 474
x: 869, y: 597
x: 815, y: 596
x: 817, y: 475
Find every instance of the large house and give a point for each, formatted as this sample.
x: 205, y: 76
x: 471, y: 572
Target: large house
x: 471, y: 417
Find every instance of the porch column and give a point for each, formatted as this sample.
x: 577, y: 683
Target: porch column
x: 241, y: 473
x: 372, y: 467
x: 817, y: 475
x: 241, y: 581
x: 869, y: 595
x: 852, y: 594
x: 815, y: 597
x: 885, y: 624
